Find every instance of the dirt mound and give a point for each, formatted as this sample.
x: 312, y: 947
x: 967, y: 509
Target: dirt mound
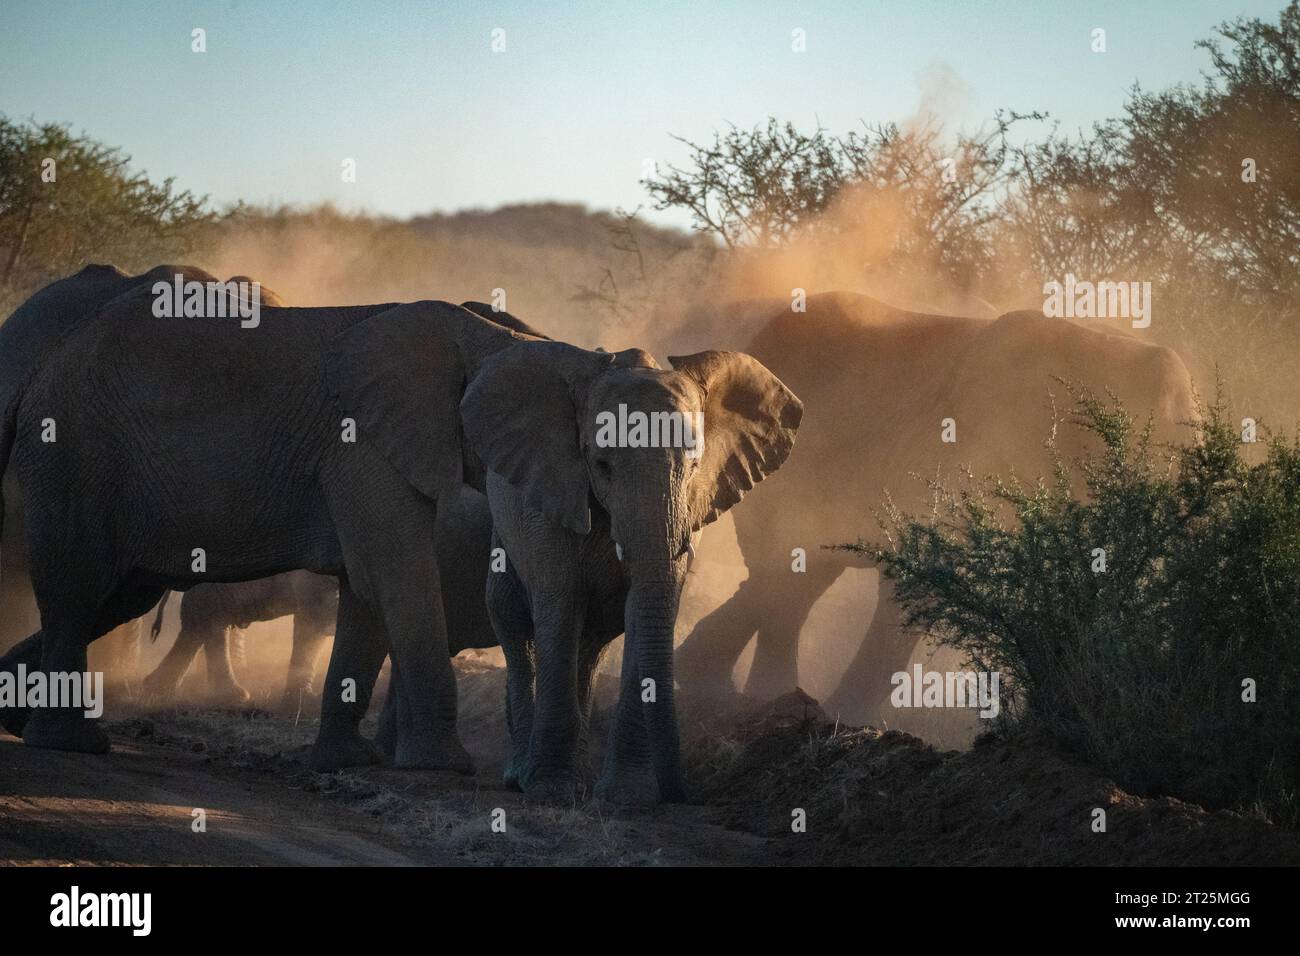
x: 874, y: 798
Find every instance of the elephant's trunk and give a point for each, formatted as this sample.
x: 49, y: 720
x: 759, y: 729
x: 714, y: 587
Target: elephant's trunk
x: 650, y: 620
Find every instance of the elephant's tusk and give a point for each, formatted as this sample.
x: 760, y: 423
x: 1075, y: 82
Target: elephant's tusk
x: 618, y: 549
x: 690, y: 553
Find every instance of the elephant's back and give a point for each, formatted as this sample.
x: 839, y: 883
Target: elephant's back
x: 847, y: 341
x: 871, y: 378
x: 38, y: 325
x: 200, y: 366
x: 162, y: 403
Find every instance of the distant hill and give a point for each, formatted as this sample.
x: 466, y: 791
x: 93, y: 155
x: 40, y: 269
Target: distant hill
x: 572, y: 225
x: 570, y: 271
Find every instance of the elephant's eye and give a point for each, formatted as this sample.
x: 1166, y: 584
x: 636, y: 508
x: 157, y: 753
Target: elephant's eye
x: 604, y: 468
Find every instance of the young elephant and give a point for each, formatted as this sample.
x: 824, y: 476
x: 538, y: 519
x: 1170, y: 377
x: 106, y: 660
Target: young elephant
x: 598, y: 532
x: 210, y: 611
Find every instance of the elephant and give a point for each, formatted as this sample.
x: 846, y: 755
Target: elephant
x: 213, y: 617
x: 878, y: 383
x: 322, y: 439
x: 43, y: 319
x: 597, y: 535
x: 37, y: 325
x: 210, y: 611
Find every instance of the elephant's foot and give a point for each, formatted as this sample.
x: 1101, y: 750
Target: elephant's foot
x: 61, y: 730
x: 429, y: 752
x: 339, y: 750
x: 552, y: 789
x: 160, y: 686
x: 226, y: 695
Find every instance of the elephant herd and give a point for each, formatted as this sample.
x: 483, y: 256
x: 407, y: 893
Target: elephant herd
x: 424, y: 477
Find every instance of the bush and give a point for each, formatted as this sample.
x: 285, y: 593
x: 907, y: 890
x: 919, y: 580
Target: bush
x: 66, y: 199
x: 1141, y: 667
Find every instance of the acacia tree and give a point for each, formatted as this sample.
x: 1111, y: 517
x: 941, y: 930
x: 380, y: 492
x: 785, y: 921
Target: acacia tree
x: 768, y: 186
x: 1191, y: 185
x: 66, y: 199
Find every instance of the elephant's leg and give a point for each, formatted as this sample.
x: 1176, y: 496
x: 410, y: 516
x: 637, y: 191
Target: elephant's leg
x: 627, y: 777
x: 426, y: 714
x: 65, y: 635
x: 520, y: 674
x: 166, y: 678
x: 28, y: 654
x: 237, y: 640
x: 359, y: 651
x: 589, y: 654
x: 134, y: 648
x: 863, y: 691
x: 386, y: 734
x: 223, y: 689
x: 507, y: 605
x: 553, y: 744
x: 787, y: 600
x: 396, y: 576
x: 309, y: 636
x: 63, y: 651
x: 120, y: 659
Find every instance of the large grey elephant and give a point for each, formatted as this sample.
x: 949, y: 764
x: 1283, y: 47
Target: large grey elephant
x: 598, y: 537
x: 878, y: 383
x: 37, y: 325
x: 199, y: 450
x: 210, y: 612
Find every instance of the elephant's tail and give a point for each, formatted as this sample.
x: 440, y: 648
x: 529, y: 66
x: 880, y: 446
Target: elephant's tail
x: 158, y: 618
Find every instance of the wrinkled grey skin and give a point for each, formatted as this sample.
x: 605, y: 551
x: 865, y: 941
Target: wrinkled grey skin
x: 43, y: 320
x: 243, y: 455
x: 562, y: 507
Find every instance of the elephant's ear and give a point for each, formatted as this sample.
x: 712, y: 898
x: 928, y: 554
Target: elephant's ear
x: 520, y: 416
x: 399, y: 374
x: 750, y: 418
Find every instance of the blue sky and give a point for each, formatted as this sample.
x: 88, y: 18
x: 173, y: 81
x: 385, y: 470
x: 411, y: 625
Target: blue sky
x: 581, y: 96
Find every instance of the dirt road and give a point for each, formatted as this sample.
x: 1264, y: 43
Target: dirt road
x: 863, y: 798
x: 136, y: 806
x: 246, y: 771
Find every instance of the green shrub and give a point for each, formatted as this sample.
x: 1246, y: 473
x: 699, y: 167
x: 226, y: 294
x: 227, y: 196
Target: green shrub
x: 1141, y: 667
